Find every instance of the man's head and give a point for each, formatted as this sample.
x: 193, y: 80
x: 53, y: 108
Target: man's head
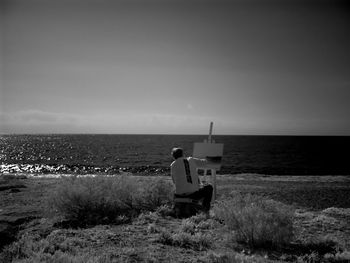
x: 177, y: 153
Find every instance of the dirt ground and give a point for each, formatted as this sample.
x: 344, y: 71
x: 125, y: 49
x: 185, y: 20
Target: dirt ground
x: 322, y: 208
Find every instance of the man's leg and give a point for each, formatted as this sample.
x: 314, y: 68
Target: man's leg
x: 206, y: 193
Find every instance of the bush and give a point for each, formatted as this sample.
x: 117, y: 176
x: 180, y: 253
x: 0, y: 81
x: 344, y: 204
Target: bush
x: 196, y: 224
x: 103, y: 199
x: 323, y: 249
x: 258, y: 222
x: 189, y: 234
x: 154, y: 193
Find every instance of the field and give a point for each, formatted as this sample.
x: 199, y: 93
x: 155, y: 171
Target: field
x: 321, y: 222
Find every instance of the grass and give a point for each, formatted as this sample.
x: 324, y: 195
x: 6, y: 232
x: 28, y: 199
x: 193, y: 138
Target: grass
x: 257, y: 222
x: 60, y: 247
x: 243, y: 227
x: 233, y: 257
x: 118, y: 243
x: 197, y: 224
x: 102, y: 199
x: 195, y: 241
x: 10, y: 182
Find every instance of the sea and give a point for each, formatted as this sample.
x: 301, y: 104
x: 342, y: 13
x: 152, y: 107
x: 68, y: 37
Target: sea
x: 150, y: 154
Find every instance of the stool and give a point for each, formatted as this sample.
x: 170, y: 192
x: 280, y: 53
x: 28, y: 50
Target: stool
x: 186, y: 207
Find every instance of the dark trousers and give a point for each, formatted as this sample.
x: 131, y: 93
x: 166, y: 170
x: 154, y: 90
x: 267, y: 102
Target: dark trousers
x: 206, y: 192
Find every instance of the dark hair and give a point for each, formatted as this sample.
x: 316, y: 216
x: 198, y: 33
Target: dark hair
x: 177, y: 153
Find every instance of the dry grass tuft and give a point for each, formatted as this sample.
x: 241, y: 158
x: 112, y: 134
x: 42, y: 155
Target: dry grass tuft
x: 102, y: 199
x: 257, y: 222
x: 197, y: 241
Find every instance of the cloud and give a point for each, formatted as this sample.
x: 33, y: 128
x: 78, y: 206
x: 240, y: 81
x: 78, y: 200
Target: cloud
x: 36, y: 121
x: 38, y: 117
x: 35, y: 116
x: 145, y: 122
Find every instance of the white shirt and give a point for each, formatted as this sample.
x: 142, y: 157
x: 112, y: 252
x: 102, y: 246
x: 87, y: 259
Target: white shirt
x: 185, y: 176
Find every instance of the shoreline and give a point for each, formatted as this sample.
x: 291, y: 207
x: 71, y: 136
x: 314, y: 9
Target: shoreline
x: 234, y: 176
x: 84, y: 169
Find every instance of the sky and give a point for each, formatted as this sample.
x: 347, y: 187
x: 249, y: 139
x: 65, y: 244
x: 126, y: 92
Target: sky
x: 173, y: 66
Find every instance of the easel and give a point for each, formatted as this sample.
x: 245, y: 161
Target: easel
x: 212, y: 170
x: 213, y: 153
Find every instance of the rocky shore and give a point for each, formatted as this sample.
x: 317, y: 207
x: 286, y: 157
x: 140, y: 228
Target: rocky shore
x: 37, y: 169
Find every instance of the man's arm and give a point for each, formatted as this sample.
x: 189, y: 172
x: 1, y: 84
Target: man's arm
x: 172, y: 174
x: 201, y: 163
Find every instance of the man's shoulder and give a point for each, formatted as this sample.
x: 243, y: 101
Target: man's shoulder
x: 197, y: 161
x: 194, y: 159
x: 176, y: 161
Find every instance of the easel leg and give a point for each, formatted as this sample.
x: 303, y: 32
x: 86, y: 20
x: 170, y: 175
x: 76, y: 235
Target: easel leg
x: 205, y: 173
x: 213, y: 174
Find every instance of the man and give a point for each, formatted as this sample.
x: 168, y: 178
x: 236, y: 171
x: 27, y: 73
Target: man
x: 185, y: 177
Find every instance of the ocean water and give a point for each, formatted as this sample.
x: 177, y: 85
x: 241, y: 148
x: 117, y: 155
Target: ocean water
x: 284, y: 155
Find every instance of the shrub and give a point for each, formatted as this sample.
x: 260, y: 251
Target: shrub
x: 103, y: 199
x: 323, y: 249
x: 147, y: 218
x: 196, y: 223
x: 154, y: 193
x: 189, y: 234
x: 93, y: 199
x: 255, y: 221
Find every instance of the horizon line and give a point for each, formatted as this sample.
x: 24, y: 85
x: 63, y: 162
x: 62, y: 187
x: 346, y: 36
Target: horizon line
x: 178, y: 134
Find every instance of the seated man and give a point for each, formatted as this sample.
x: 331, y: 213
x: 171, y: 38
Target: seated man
x: 185, y: 177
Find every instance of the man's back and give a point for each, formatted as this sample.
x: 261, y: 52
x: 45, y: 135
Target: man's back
x: 184, y: 174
